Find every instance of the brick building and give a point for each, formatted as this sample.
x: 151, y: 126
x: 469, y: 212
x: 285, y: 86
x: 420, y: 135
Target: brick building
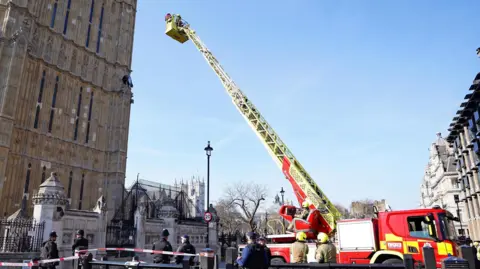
x: 464, y: 138
x: 65, y: 98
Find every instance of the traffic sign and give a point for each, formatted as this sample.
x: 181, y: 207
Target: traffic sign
x: 208, y: 216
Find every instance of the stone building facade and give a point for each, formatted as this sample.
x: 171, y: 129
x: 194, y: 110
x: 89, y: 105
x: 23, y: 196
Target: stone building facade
x: 65, y: 98
x: 465, y: 140
x: 440, y: 186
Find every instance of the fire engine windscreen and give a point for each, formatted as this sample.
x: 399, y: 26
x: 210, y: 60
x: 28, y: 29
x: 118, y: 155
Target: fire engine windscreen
x: 447, y: 227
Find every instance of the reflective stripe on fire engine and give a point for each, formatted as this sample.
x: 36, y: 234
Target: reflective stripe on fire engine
x: 443, y: 248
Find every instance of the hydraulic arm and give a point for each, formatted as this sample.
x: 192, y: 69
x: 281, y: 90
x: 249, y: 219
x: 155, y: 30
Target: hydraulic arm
x: 304, y: 186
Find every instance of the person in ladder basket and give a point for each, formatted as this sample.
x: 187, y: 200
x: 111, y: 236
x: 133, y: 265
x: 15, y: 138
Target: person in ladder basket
x: 49, y: 250
x: 326, y: 252
x: 185, y: 247
x: 254, y: 255
x: 163, y: 245
x: 303, y: 215
x: 299, y: 249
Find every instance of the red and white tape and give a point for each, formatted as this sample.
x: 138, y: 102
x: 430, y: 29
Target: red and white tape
x: 138, y: 250
x: 30, y: 264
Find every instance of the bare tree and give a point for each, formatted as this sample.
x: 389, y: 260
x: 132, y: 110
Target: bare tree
x: 246, y: 198
x: 343, y: 211
x: 229, y: 217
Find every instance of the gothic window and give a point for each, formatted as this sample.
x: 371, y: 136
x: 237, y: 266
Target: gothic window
x: 43, y: 173
x: 70, y: 181
x: 87, y: 42
x: 54, y: 14
x: 67, y: 14
x: 81, y: 192
x: 77, y: 119
x: 27, y: 179
x: 52, y: 109
x: 39, y: 100
x: 89, y: 117
x: 100, y: 25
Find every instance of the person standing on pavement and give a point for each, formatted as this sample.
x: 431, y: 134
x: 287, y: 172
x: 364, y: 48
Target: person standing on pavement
x: 49, y: 250
x: 254, y: 255
x: 185, y: 247
x: 80, y: 241
x: 326, y: 252
x: 299, y: 249
x: 163, y: 245
x: 263, y: 242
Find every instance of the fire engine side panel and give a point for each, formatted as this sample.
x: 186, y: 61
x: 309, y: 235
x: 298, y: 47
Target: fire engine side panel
x: 358, y: 235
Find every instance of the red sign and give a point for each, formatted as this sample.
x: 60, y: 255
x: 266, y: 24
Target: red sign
x: 208, y: 216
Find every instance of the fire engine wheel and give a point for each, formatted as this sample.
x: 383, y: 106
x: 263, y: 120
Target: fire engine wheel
x: 392, y: 261
x: 277, y: 261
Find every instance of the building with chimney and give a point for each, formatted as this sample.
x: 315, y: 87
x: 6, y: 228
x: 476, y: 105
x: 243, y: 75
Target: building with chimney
x: 464, y: 139
x: 65, y: 98
x: 440, y: 186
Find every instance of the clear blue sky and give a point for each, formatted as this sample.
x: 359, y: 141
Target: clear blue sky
x: 357, y: 90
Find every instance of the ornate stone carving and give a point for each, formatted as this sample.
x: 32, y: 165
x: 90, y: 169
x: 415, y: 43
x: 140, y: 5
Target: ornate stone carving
x: 33, y: 45
x: 51, y: 192
x: 48, y: 50
x: 73, y: 62
x: 101, y: 205
x: 95, y: 71
x: 62, y: 56
x: 84, y: 66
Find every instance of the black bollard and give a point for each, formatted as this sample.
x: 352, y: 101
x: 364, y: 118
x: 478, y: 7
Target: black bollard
x: 186, y: 262
x: 231, y: 255
x: 86, y: 261
x: 207, y: 259
x: 429, y: 258
x: 408, y: 261
x: 468, y: 253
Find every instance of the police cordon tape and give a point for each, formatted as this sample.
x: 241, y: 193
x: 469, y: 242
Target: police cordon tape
x: 138, y: 250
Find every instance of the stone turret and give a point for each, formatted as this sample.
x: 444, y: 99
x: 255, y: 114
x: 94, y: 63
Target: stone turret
x: 49, y: 205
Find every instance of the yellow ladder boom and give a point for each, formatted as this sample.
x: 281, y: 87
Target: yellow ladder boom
x: 180, y: 30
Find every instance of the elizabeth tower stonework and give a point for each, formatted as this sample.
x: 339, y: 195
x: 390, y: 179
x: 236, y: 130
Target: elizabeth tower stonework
x: 64, y: 98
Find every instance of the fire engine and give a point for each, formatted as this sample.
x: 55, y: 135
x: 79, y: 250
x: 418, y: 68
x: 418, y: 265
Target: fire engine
x: 383, y: 239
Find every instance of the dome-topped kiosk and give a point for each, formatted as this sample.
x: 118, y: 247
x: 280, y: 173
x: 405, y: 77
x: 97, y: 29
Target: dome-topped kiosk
x: 49, y: 205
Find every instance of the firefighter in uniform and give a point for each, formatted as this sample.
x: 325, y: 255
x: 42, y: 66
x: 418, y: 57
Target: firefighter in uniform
x: 303, y: 215
x: 254, y: 255
x: 326, y: 252
x: 185, y: 247
x: 164, y: 245
x: 299, y: 249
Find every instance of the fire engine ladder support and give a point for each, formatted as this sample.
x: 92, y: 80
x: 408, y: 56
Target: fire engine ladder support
x: 274, y: 145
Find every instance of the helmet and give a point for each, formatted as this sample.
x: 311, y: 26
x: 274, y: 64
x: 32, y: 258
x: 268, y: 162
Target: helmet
x: 322, y: 237
x: 252, y: 235
x: 165, y: 232
x: 80, y: 232
x: 185, y: 236
x: 53, y: 234
x: 301, y: 236
x: 262, y: 239
x: 305, y: 204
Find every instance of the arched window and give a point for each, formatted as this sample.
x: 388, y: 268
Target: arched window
x: 39, y: 101
x: 52, y: 109
x: 100, y: 25
x: 70, y: 181
x: 81, y: 192
x: 92, y: 6
x: 54, y: 14
x: 27, y: 179
x: 67, y: 14
x: 89, y: 117
x: 43, y: 173
x: 77, y: 119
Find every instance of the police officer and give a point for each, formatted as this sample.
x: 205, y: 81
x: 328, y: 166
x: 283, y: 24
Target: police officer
x: 299, y: 249
x: 263, y: 242
x: 49, y: 251
x: 185, y: 247
x: 163, y: 245
x: 254, y: 255
x: 80, y: 242
x: 326, y: 252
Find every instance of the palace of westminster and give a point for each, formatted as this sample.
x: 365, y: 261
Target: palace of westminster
x: 65, y: 98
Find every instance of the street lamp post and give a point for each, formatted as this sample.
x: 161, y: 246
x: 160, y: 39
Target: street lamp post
x: 282, y: 193
x: 266, y: 223
x: 208, y: 150
x: 457, y: 200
